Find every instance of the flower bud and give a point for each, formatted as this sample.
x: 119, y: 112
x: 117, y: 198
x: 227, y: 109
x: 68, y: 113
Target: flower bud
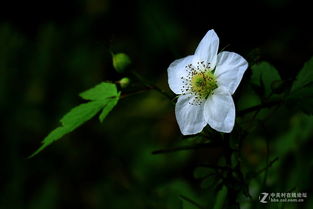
x: 124, y: 82
x: 120, y: 62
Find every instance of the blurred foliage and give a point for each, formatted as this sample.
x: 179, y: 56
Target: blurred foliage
x: 50, y: 51
x: 263, y: 77
x: 302, y: 89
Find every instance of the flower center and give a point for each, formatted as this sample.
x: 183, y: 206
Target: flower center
x: 203, y: 84
x: 199, y: 82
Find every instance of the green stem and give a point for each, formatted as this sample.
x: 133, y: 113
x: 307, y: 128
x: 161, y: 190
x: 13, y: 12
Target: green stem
x: 151, y: 85
x: 232, y: 193
x: 267, y: 162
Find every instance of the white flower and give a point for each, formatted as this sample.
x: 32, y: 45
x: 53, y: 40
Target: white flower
x: 205, y: 82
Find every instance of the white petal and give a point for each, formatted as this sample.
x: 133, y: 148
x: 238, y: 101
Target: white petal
x: 219, y: 111
x: 176, y: 71
x: 207, y: 49
x: 229, y: 70
x: 189, y: 117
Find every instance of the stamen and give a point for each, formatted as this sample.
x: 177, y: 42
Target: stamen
x: 200, y: 82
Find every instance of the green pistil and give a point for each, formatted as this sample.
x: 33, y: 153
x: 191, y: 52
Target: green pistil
x: 203, y: 84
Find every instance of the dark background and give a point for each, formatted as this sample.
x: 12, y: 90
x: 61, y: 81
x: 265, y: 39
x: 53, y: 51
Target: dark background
x: 52, y: 50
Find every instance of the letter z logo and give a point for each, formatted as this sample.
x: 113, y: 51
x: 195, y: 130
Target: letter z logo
x: 263, y: 198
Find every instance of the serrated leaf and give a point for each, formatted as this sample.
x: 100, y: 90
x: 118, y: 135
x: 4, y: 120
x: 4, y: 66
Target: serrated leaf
x: 104, y: 96
x: 100, y: 92
x: 263, y: 75
x: 108, y: 107
x: 72, y: 120
x: 81, y: 114
x: 53, y: 136
x: 220, y: 198
x: 304, y: 77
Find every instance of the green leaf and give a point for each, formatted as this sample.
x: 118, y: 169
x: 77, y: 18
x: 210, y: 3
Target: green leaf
x: 209, y: 182
x: 297, y: 133
x: 80, y: 114
x: 72, y: 120
x: 301, y: 94
x: 201, y: 172
x: 104, y: 96
x: 263, y: 76
x: 108, y: 107
x: 100, y: 92
x: 207, y: 175
x: 304, y: 77
x: 248, y: 98
x: 220, y: 198
x: 302, y: 98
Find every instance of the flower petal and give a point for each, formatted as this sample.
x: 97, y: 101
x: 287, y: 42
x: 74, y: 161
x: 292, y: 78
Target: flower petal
x: 176, y: 71
x: 189, y: 117
x: 219, y: 111
x: 207, y: 49
x: 230, y: 69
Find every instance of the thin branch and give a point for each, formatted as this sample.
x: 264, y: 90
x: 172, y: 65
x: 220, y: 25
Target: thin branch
x: 270, y: 164
x: 267, y: 157
x: 206, y: 165
x: 184, y: 148
x: 133, y: 93
x: 151, y: 85
x: 191, y: 201
x: 258, y: 107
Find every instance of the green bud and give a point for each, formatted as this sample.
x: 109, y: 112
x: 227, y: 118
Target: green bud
x: 120, y: 62
x: 124, y: 82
